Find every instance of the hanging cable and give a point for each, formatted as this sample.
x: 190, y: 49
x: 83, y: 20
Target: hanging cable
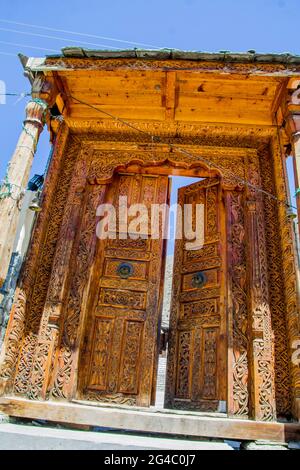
x: 57, y: 38
x: 9, y: 53
x: 79, y: 34
x: 15, y: 94
x: 209, y: 163
x: 27, y: 46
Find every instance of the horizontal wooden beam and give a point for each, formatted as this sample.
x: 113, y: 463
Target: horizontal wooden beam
x: 149, y: 420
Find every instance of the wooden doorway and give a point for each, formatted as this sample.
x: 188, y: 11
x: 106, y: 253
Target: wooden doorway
x: 118, y: 360
x: 119, y: 357
x: 197, y: 353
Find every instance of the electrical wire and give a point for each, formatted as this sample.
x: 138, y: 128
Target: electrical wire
x: 184, y: 151
x: 78, y: 34
x: 26, y: 45
x: 56, y: 38
x: 15, y: 94
x: 8, y: 53
x: 154, y: 138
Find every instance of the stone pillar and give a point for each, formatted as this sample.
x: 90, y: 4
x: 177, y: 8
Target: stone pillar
x: 17, y: 178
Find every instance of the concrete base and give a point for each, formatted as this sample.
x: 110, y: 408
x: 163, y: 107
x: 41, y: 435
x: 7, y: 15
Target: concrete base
x: 263, y: 445
x: 293, y: 445
x: 29, y: 437
x: 3, y: 418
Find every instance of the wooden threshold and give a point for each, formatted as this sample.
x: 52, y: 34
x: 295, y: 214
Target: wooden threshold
x: 150, y: 421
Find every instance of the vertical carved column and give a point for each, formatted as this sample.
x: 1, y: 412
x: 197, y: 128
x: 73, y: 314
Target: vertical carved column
x: 238, y: 363
x: 24, y: 291
x: 276, y: 287
x: 296, y: 161
x: 43, y: 264
x: 261, y: 336
x: 17, y: 178
x: 64, y: 377
x: 292, y: 116
x: 291, y: 289
x: 58, y: 284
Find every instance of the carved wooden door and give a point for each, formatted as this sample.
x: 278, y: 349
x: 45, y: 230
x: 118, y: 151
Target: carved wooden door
x: 120, y: 347
x: 196, y: 371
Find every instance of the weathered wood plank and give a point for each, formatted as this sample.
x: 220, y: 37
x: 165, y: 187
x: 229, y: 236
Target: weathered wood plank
x: 136, y: 419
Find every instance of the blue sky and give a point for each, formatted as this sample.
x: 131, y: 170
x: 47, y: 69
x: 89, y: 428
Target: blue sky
x: 235, y: 25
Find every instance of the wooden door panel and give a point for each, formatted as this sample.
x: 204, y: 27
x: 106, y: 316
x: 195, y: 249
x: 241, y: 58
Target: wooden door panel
x: 130, y: 356
x: 121, y: 297
x: 197, y: 353
x: 121, y: 331
x: 100, y: 353
x: 140, y: 268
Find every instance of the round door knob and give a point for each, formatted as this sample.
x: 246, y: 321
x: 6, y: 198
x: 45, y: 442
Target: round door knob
x: 125, y: 270
x: 199, y: 279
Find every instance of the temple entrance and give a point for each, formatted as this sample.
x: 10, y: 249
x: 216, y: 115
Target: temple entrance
x: 119, y: 359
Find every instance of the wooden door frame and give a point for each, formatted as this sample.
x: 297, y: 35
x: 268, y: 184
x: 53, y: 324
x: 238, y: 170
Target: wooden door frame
x: 168, y: 169
x: 61, y: 336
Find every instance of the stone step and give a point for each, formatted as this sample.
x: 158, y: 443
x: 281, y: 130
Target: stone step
x: 30, y: 437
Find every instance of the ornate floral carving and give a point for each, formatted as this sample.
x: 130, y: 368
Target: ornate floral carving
x: 209, y: 387
x: 112, y: 398
x: 42, y: 273
x: 65, y: 63
x: 277, y: 288
x: 202, y: 307
x: 184, y: 364
x: 239, y: 313
x: 123, y: 298
x: 99, y: 365
x: 85, y: 252
x: 33, y: 345
x: 130, y: 363
x: 261, y: 333
x: 58, y: 281
x: 29, y: 275
x: 289, y: 264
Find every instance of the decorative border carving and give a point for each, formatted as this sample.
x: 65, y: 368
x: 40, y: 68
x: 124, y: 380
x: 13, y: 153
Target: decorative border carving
x: 288, y: 270
x: 61, y: 385
x: 66, y: 63
x: 238, y: 392
x: 277, y: 290
x: 261, y: 334
x: 24, y: 292
x: 43, y: 269
x: 27, y: 320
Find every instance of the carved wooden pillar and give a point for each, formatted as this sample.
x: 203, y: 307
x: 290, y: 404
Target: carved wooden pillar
x: 289, y: 274
x: 59, y: 279
x: 63, y: 380
x: 292, y: 115
x: 238, y: 362
x: 17, y: 179
x: 291, y: 112
x: 260, y: 332
x: 25, y: 292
